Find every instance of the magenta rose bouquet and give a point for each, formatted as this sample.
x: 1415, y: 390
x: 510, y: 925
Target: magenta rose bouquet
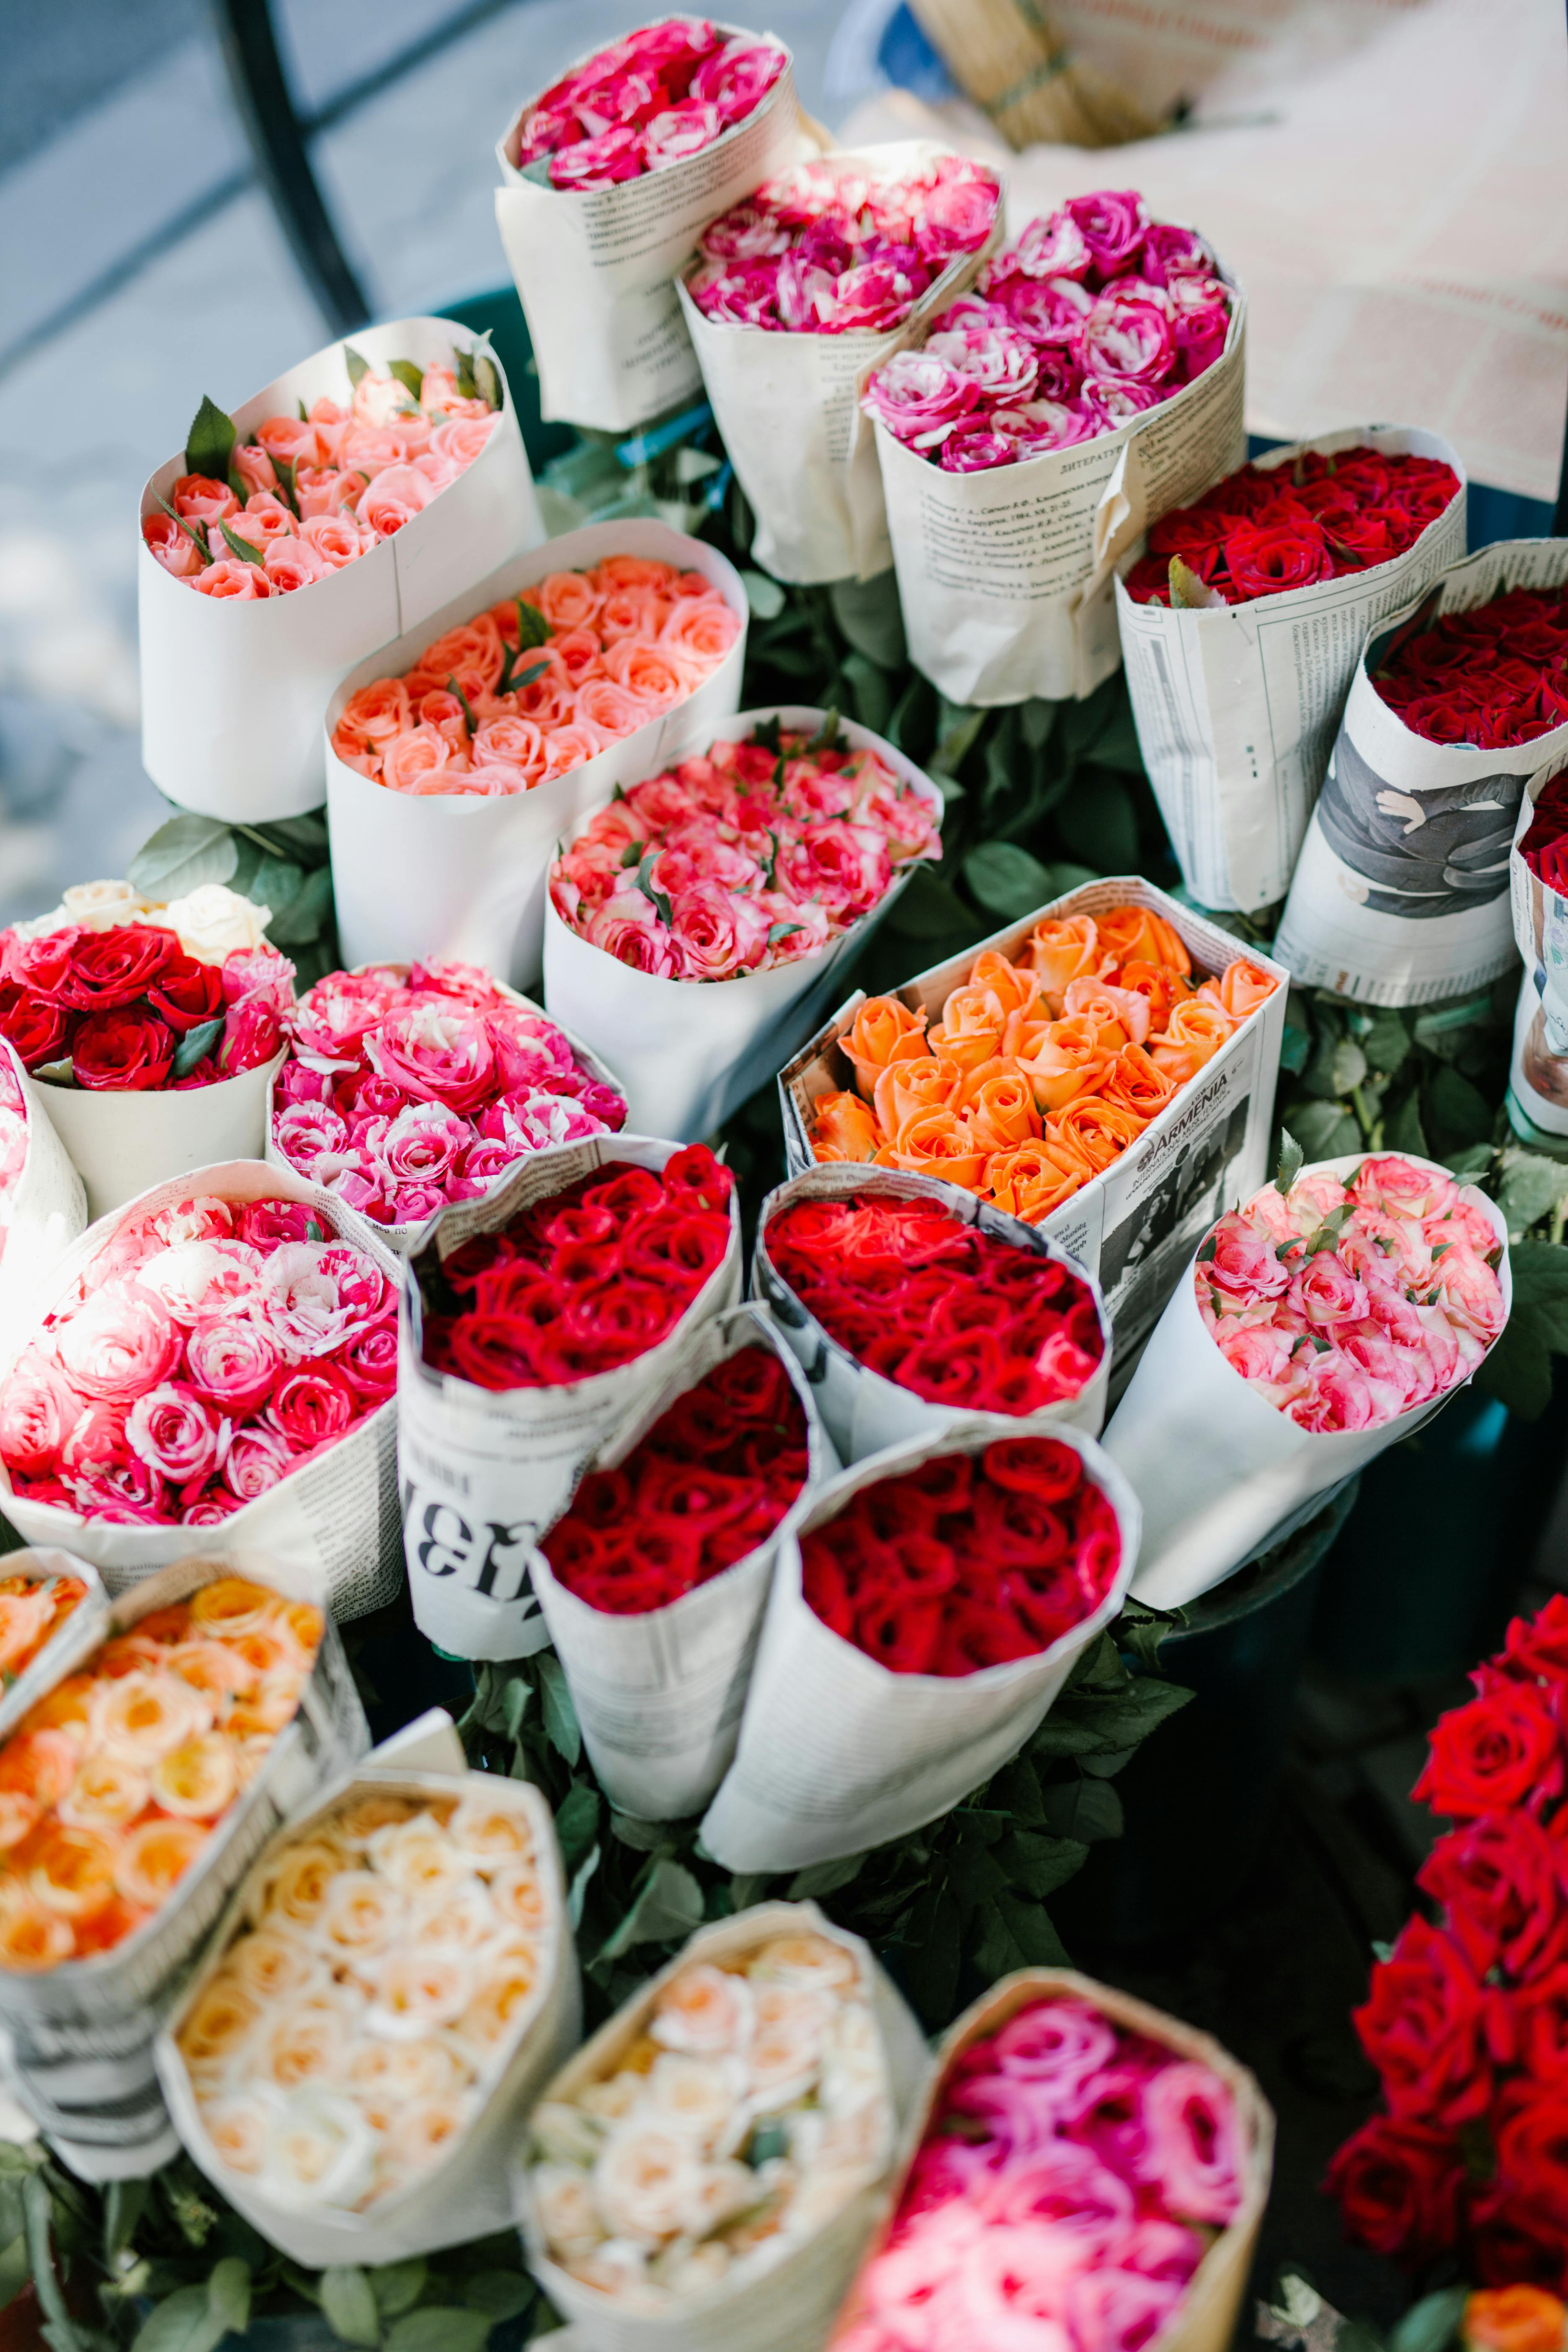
x: 662, y: 94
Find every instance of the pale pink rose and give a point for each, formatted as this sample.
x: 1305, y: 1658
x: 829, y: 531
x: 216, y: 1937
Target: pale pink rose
x: 436, y: 1053
x: 171, y: 547
x: 379, y: 400
x: 258, y: 972
x: 716, y: 933
x: 460, y: 439
x: 1192, y: 2149
x: 232, y: 579
x: 265, y: 519
x: 257, y: 1458
x: 694, y: 853
x: 1326, y: 1294
x: 845, y: 866
x: 796, y: 928
x: 288, y: 440
x: 1400, y: 1376
x: 1401, y: 1189
x: 737, y: 77
x: 608, y: 708
x: 508, y: 742
x: 440, y: 473
x: 119, y: 1343
x: 199, y: 501
x: 211, y: 1510
x: 322, y: 490
x: 1113, y: 402
x: 627, y: 928
x: 1465, y: 1221
x: 174, y: 1431
x: 37, y: 1407
x: 369, y: 450
x: 1268, y: 1359
x: 293, y: 563
x: 330, y: 423
x: 193, y: 1279
x: 333, y: 1019
x: 231, y: 1363
x: 569, y: 746
x: 1003, y: 365
x: 307, y: 1133
x: 1052, y: 246
x: 422, y: 1144
x: 1128, y: 342
x: 1337, y: 1395
x: 1312, y: 1198
x: 1469, y: 1292
x: 530, y: 1051
x: 104, y: 1471
x: 1118, y: 2311
x: 254, y: 467
x: 315, y: 1297
x: 396, y: 496
x: 336, y: 538
x: 408, y: 760
x: 378, y: 712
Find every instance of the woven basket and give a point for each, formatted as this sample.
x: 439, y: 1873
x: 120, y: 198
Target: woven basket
x: 1008, y: 57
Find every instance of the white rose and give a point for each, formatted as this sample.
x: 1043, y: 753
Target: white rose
x: 103, y: 905
x: 853, y: 2075
x: 237, y: 2125
x: 703, y: 2010
x: 718, y: 2193
x: 787, y: 2045
x: 41, y: 926
x: 701, y: 2099
x: 320, y: 2151
x: 644, y: 2180
x: 563, y: 2200
x: 213, y: 921
x: 564, y: 2134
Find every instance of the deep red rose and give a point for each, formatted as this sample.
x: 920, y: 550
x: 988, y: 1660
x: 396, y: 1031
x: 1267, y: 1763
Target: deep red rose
x: 41, y: 966
x: 1540, y: 2027
x: 1399, y: 2187
x: 114, y: 968
x: 40, y: 1032
x: 1531, y: 2131
x: 186, y: 992
x: 1516, y: 2242
x: 1502, y: 1749
x: 122, y: 1051
x: 1423, y: 2028
x: 1263, y: 559
x: 1537, y: 1645
x: 1503, y: 1884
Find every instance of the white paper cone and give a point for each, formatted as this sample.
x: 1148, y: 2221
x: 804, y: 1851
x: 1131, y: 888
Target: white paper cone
x: 47, y: 1207
x: 594, y: 270
x: 232, y: 694
x: 1134, y: 1227
x: 1216, y: 1466
x: 335, y: 1520
x: 23, y: 1690
x: 789, y: 2307
x: 1236, y: 710
x: 692, y: 1051
x: 1401, y: 894
x: 658, y: 1696
x: 788, y: 408
x: 1006, y: 576
x: 484, y: 1471
x: 862, y: 1410
x: 465, y: 2195
x: 122, y: 1143
x: 838, y: 1753
x: 423, y: 875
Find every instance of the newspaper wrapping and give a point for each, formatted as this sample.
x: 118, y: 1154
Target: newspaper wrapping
x: 463, y: 2195
x: 22, y: 1690
x: 837, y: 1753
x: 861, y: 1408
x: 45, y: 1211
x: 1538, y: 1084
x: 483, y: 1471
x: 1220, y: 1471
x: 77, y: 2038
x: 450, y: 873
x: 1400, y: 895
x: 1206, y: 2318
x: 232, y: 701
x: 788, y: 407
x: 335, y: 1520
x: 1134, y: 1227
x: 692, y: 1051
x: 1236, y: 710
x: 790, y: 2308
x: 121, y: 1144
x: 595, y: 268
x: 659, y: 1694
x: 401, y: 1237
x: 1007, y: 576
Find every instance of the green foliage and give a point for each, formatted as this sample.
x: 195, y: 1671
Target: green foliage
x: 209, y: 444
x: 284, y: 865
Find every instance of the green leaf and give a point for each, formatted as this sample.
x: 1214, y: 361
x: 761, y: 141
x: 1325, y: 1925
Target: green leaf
x: 1431, y: 2324
x: 765, y: 596
x: 577, y: 1892
x: 470, y: 721
x: 1007, y: 879
x: 1142, y: 1629
x: 1035, y: 719
x: 14, y: 2210
x: 1348, y: 1066
x: 825, y: 1878
x: 1038, y: 1865
x: 1403, y: 1129
x: 1532, y: 1187
x: 873, y: 691
x: 209, y: 444
x: 871, y: 617
x: 397, y: 2286
x: 1293, y: 1052
x: 932, y: 1949
x: 183, y: 2322
x: 1324, y: 1130
x: 656, y: 898
x: 409, y: 376
x: 827, y: 736
x: 181, y: 854
x: 532, y: 628
x: 16, y: 2269
x: 38, y: 2213
x: 578, y: 1821
x: 487, y: 378
x: 241, y: 548
x: 350, y: 2304
x: 438, y: 2328
x: 194, y: 1043
x: 930, y: 911
x: 1098, y: 821
x: 1386, y: 1043
x: 503, y: 2294
x: 560, y: 1715
x: 668, y: 1907
x: 1292, y: 1158
x: 355, y: 362
x: 517, y: 1696
x: 305, y: 834
x: 777, y: 931
x: 1099, y: 1726
x: 1457, y: 1112
x: 1030, y: 1927
x: 1085, y: 1810
x: 228, y: 2294
x: 307, y: 915
x: 958, y: 731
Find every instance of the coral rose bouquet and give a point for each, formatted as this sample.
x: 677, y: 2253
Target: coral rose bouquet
x: 460, y: 756
x: 535, y: 1320
x: 43, y: 1595
x: 920, y: 1625
x: 151, y: 1030
x: 607, y: 178
x: 1327, y: 1318
x: 1401, y: 893
x: 43, y: 1201
x: 408, y: 1087
x: 1087, y: 2171
x: 168, y: 1741
x: 344, y: 503
x: 908, y: 1300
x: 1329, y: 535
x: 795, y: 295
x: 1097, y: 365
x: 653, y: 1580
x: 220, y: 1353
x: 703, y: 2173
x: 393, y: 1983
x: 695, y: 925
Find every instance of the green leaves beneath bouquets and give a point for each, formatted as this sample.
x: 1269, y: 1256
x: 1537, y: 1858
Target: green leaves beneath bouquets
x: 283, y: 865
x: 1519, y: 1369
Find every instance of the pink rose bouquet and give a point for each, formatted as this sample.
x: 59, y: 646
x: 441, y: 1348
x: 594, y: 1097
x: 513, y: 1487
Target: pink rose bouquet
x: 307, y: 494
x: 408, y: 1087
x: 542, y: 682
x: 1093, y: 315
x: 661, y: 95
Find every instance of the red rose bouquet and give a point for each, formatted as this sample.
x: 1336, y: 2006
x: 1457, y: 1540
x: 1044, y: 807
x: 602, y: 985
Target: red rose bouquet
x: 1544, y: 848
x: 1491, y: 678
x: 1467, y: 2021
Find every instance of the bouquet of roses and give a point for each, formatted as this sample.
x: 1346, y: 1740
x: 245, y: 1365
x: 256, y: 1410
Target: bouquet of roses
x: 1089, y: 2171
x: 864, y: 245
x: 749, y: 864
x: 907, y: 1301
x: 537, y: 1318
x: 917, y: 1630
x: 1349, y: 525
x: 709, y: 2162
x: 395, y: 1978
x: 1491, y: 678
x: 706, y: 110
x: 1463, y: 2021
x: 1328, y: 1317
x: 41, y: 1595
x: 652, y: 1582
x: 410, y: 1086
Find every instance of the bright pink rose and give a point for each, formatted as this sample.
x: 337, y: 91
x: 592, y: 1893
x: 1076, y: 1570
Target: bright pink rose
x: 1326, y: 1294
x: 118, y: 1344
x: 241, y: 582
x: 231, y: 1363
x: 37, y: 1407
x: 257, y: 1458
x: 316, y: 1297
x: 920, y: 400
x: 422, y: 1144
x: 174, y: 1433
x: 1337, y: 1395
x: 436, y: 1053
x: 312, y: 1406
x: 627, y: 928
x: 846, y: 867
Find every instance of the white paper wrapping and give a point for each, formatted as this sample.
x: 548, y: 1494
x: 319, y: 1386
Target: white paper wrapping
x: 1219, y: 1471
x: 48, y: 1206
x: 1236, y: 710
x: 1401, y: 893
x: 24, y: 1689
x: 837, y: 1753
x: 484, y: 1470
x: 862, y: 1410
x: 691, y: 1051
x: 788, y: 407
x: 123, y: 1142
x: 79, y: 2036
x: 1134, y: 1227
x: 428, y: 874
x: 335, y: 1520
x: 232, y: 693
x: 465, y: 2195
x: 595, y: 268
x: 1006, y: 576
x: 790, y: 2308
x: 658, y: 1696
